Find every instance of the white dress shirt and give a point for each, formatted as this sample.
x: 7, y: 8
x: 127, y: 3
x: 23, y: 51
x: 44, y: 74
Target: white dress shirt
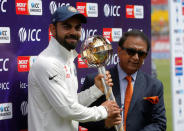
x: 123, y: 85
x: 53, y: 102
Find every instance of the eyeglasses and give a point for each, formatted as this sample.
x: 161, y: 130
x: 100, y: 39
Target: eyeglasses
x: 132, y: 52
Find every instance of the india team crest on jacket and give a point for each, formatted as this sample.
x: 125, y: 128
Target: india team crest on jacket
x: 67, y: 70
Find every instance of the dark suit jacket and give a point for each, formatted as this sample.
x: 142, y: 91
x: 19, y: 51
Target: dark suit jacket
x: 142, y: 114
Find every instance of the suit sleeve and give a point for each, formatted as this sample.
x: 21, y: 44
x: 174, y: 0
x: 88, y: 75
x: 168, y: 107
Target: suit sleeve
x: 158, y: 120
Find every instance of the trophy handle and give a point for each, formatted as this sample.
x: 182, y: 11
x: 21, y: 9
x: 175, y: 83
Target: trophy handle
x: 109, y: 94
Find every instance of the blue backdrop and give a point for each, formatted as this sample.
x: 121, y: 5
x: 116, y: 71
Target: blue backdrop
x: 24, y: 33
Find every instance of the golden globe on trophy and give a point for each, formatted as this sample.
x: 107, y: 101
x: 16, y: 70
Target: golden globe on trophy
x: 96, y: 51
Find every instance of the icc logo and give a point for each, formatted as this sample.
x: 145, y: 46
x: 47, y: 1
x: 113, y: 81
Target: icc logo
x: 3, y: 33
x: 53, y: 6
x: 35, y: 5
x: 111, y: 10
x: 2, y: 2
x: 23, y: 108
x: 4, y: 86
x: 87, y: 33
x: 3, y: 109
x: 4, y: 64
x: 30, y: 35
x: 114, y: 60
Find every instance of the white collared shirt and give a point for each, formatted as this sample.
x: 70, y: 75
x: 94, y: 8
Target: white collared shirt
x: 53, y: 102
x: 123, y: 85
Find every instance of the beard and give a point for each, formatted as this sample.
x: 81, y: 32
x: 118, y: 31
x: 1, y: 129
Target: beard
x: 68, y: 45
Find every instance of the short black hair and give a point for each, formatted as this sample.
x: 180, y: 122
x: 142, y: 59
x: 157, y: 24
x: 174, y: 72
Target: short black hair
x: 134, y: 33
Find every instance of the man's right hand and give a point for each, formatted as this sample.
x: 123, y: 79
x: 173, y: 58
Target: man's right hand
x: 112, y: 108
x: 114, y: 117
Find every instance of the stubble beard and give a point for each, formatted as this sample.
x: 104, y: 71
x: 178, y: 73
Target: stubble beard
x: 67, y: 45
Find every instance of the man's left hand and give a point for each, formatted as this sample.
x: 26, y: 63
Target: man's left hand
x: 108, y: 81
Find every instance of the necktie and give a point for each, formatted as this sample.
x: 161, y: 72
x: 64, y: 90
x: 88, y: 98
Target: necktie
x: 128, y: 97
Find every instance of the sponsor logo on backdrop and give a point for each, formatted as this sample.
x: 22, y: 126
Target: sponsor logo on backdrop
x: 29, y: 34
x: 82, y: 80
x: 179, y: 92
x: 28, y: 7
x: 23, y: 108
x: 180, y: 112
x: 4, y: 85
x: 177, y: 12
x: 2, y: 6
x: 53, y: 6
x: 23, y: 85
x: 81, y: 7
x: 81, y: 63
x: 135, y: 11
x: 179, y: 71
x: 5, y: 111
x: 177, y: 1
x: 25, y: 62
x: 178, y: 61
x: 85, y: 33
x: 178, y: 39
x: 87, y: 9
x: 35, y: 7
x: 4, y: 64
x: 111, y: 10
x: 178, y: 31
x: 179, y: 80
x: 129, y: 29
x: 114, y: 60
x: 112, y: 34
x: 22, y: 7
x: 178, y: 42
x: 4, y: 35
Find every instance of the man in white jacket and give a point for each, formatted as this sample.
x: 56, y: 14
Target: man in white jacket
x: 54, y: 104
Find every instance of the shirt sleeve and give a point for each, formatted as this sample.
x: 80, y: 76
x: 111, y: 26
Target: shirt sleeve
x: 90, y: 95
x: 52, y: 81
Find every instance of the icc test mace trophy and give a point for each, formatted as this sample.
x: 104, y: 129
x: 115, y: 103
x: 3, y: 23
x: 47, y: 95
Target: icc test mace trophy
x: 96, y: 51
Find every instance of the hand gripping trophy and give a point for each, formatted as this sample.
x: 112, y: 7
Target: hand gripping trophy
x: 97, y: 51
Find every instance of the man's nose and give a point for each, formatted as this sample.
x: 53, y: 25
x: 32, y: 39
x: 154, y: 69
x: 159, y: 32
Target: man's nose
x: 73, y: 31
x: 136, y: 56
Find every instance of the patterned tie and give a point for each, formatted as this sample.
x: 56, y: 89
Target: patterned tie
x: 128, y: 97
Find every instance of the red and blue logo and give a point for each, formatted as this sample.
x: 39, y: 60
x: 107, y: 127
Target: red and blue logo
x: 179, y: 71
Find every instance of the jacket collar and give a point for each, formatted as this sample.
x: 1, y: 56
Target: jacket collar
x: 61, y: 52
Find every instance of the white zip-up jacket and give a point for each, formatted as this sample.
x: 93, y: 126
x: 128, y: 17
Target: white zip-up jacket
x: 53, y: 102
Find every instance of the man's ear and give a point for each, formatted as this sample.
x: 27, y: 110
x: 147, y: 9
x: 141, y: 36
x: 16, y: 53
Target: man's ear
x: 53, y: 29
x: 118, y: 50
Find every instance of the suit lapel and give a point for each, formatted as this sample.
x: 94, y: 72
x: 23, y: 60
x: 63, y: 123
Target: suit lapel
x: 116, y: 86
x: 139, y: 86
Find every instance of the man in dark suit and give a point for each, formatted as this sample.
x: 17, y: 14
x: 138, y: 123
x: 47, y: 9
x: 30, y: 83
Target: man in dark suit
x: 146, y: 111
